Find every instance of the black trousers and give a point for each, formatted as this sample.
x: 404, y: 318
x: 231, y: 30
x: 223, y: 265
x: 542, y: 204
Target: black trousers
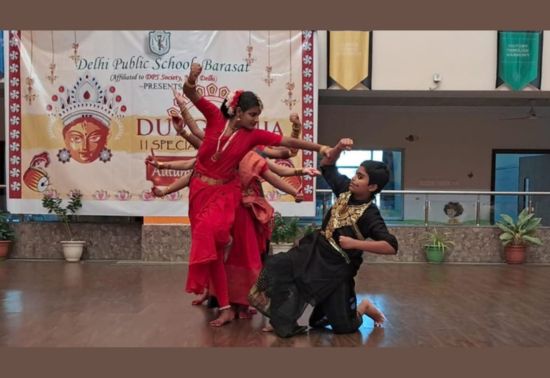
x: 339, y: 310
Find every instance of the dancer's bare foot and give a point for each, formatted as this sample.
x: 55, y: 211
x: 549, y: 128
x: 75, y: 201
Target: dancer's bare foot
x: 226, y: 316
x: 268, y: 328
x: 200, y: 299
x: 367, y: 308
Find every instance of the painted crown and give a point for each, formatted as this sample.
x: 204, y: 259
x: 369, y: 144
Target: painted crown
x: 86, y: 99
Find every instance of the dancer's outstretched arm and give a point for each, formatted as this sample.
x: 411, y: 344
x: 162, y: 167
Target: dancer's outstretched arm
x: 280, y: 184
x: 179, y: 164
x: 380, y: 247
x: 187, y: 118
x: 276, y: 152
x: 305, y: 145
x: 284, y: 171
x: 178, y: 184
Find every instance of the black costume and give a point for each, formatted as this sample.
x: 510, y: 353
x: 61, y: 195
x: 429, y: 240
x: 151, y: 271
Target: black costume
x: 318, y: 271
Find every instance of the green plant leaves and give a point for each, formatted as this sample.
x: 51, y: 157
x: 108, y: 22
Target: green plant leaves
x: 436, y: 239
x: 287, y: 229
x: 521, y: 231
x: 6, y: 232
x: 507, y: 220
x: 53, y: 205
x: 533, y: 239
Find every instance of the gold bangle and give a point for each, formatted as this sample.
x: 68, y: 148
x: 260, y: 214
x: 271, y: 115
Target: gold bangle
x: 298, y: 172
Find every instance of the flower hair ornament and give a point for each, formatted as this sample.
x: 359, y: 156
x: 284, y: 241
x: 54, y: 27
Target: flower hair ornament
x: 232, y: 100
x: 86, y: 111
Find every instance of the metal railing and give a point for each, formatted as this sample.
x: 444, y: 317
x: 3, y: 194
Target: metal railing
x: 327, y: 199
x: 528, y: 198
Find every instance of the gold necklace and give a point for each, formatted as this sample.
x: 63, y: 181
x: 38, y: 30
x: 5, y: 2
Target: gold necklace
x: 217, y: 154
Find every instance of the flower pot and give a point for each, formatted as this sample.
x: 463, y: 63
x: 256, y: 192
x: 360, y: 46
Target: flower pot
x: 281, y: 247
x: 515, y: 253
x: 4, y: 249
x: 434, y: 255
x: 72, y: 250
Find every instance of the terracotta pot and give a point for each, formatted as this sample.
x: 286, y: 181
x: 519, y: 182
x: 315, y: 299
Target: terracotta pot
x: 4, y: 248
x: 515, y: 253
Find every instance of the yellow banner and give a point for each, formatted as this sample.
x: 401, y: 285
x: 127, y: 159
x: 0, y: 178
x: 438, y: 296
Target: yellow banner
x: 349, y: 57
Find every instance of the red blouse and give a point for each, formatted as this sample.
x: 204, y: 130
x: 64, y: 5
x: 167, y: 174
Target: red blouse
x: 244, y: 141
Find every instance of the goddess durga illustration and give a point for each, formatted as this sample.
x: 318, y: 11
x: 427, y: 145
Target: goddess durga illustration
x: 87, y: 111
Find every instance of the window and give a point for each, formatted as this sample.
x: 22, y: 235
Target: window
x: 521, y: 171
x: 391, y: 205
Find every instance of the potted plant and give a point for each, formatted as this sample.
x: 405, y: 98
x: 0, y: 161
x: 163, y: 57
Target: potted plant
x: 72, y: 249
x: 436, y: 244
x: 516, y: 235
x: 6, y: 235
x: 285, y: 232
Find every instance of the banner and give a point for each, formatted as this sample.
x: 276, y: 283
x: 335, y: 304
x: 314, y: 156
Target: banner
x: 349, y: 59
x: 84, y: 109
x: 519, y: 59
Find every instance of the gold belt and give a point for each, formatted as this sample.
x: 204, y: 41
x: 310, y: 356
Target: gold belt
x: 210, y: 180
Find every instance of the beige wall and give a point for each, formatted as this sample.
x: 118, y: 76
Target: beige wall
x: 407, y: 60
x: 452, y: 141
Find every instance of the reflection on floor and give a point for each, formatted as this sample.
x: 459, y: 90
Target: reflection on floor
x: 53, y: 303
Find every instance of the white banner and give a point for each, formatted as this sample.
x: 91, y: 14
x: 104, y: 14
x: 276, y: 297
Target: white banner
x: 84, y: 108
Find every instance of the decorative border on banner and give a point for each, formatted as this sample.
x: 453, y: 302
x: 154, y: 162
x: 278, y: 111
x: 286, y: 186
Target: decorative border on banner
x: 308, y: 108
x: 14, y: 115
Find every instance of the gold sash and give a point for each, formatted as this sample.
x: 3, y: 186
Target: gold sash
x: 342, y: 214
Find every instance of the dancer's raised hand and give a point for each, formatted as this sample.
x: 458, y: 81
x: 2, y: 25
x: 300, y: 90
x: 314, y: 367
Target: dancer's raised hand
x: 152, y: 160
x: 157, y: 192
